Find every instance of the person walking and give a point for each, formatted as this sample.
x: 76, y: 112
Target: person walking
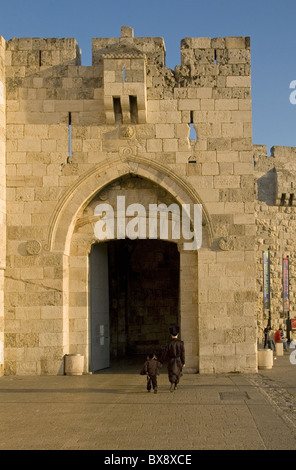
x: 270, y: 338
x: 150, y: 369
x: 266, y: 331
x: 175, y: 355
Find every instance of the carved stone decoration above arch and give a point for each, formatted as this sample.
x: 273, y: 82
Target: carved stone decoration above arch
x: 33, y: 247
x: 226, y: 243
x: 92, y: 182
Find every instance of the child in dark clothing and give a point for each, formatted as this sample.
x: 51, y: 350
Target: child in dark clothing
x: 150, y: 368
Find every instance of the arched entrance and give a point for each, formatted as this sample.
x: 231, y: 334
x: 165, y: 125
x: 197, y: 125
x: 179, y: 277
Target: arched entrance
x: 137, y: 288
x: 134, y: 299
x: 71, y: 234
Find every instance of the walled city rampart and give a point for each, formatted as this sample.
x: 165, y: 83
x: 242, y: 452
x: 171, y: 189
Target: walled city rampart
x: 275, y: 220
x: 128, y: 125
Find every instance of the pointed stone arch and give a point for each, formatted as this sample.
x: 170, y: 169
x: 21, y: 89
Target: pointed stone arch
x: 93, y: 181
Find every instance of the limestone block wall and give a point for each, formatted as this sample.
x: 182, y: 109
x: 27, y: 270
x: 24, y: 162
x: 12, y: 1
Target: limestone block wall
x: 2, y: 197
x: 36, y: 331
x: 215, y: 92
x: 276, y: 225
x: 61, y: 151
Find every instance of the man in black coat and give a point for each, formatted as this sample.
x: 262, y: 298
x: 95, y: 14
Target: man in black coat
x: 175, y: 354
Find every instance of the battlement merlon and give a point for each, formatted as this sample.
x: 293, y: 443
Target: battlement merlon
x: 33, y: 53
x: 230, y: 55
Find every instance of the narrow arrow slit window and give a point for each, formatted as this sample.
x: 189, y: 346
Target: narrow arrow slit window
x: 70, y: 134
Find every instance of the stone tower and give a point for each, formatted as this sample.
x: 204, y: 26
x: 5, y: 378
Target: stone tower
x: 2, y: 196
x: 78, y: 137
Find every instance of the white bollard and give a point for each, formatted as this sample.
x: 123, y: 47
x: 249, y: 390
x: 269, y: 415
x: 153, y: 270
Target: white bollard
x: 279, y: 349
x: 265, y: 359
x: 74, y: 364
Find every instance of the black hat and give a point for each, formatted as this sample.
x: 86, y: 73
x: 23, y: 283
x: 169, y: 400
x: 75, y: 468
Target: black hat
x: 174, y: 330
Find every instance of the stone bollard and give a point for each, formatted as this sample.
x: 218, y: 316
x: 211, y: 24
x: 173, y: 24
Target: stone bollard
x: 279, y: 349
x: 74, y: 364
x: 265, y: 359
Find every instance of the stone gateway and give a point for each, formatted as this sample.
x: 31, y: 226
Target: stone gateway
x: 75, y: 137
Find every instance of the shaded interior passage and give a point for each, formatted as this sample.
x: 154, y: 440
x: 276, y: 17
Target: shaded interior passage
x: 143, y: 295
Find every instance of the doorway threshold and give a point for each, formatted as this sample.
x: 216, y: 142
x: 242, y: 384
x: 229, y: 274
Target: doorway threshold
x: 127, y: 365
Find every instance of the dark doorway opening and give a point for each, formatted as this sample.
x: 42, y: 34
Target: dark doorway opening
x: 143, y: 300
x: 143, y: 296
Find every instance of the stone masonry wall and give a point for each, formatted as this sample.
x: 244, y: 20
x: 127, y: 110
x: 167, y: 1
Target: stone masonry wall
x: 276, y: 225
x: 215, y: 78
x: 38, y: 90
x: 2, y: 198
x: 112, y: 111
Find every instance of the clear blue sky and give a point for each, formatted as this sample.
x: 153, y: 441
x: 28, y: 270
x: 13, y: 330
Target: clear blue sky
x: 270, y: 23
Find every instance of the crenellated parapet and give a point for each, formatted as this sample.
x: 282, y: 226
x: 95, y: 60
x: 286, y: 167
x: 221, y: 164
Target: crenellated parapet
x: 276, y: 175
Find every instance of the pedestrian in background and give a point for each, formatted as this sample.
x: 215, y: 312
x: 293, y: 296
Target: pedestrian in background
x: 270, y: 339
x: 175, y: 355
x: 279, y: 338
x: 266, y: 331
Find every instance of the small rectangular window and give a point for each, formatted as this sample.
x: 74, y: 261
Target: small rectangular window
x: 69, y: 133
x: 117, y: 110
x: 133, y: 109
x: 192, y: 133
x: 283, y: 198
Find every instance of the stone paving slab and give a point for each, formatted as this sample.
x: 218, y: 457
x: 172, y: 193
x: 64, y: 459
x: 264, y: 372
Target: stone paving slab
x: 113, y: 411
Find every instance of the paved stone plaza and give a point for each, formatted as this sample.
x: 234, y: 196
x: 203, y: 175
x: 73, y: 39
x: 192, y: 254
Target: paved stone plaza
x: 112, y: 411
